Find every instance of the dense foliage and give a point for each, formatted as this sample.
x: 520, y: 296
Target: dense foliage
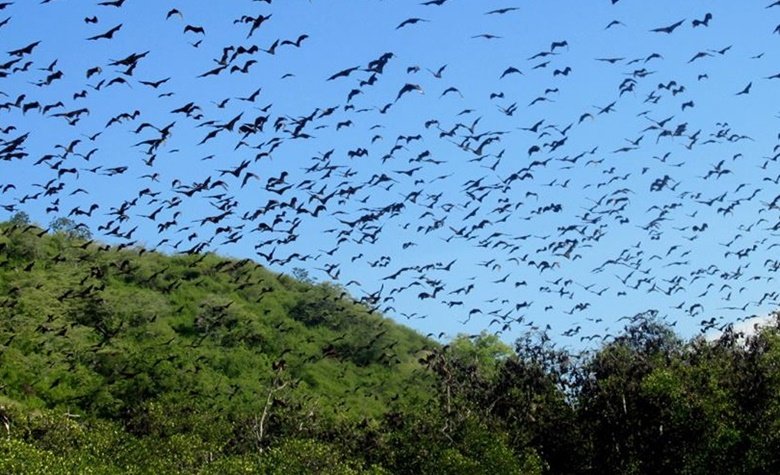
x: 124, y: 361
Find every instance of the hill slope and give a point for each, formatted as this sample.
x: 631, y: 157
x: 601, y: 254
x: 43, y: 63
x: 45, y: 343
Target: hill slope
x: 141, y: 338
x: 117, y: 361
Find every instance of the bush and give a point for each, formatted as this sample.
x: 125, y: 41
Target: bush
x: 297, y: 456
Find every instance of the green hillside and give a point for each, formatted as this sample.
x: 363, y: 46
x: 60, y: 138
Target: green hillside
x: 215, y: 348
x: 116, y: 361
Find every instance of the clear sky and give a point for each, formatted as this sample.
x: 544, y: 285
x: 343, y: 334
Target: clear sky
x: 502, y: 165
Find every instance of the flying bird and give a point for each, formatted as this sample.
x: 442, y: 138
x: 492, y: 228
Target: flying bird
x: 438, y: 73
x: 107, y: 35
x: 343, y: 73
x: 297, y: 43
x: 24, y: 50
x: 410, y: 21
x: 746, y: 90
x: 173, y: 12
x: 558, y: 44
x: 195, y: 29
x: 510, y: 70
x: 703, y: 22
x: 408, y: 87
x: 501, y: 11
x: 155, y: 84
x: 668, y: 29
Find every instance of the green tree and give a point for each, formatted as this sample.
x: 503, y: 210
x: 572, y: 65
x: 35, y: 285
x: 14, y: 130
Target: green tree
x: 20, y: 218
x: 70, y: 228
x: 625, y: 410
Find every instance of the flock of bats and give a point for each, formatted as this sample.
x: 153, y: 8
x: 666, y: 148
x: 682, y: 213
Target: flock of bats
x: 505, y: 205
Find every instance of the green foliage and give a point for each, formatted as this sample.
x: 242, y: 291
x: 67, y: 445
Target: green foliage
x: 19, y: 219
x: 296, y: 457
x: 485, y: 353
x: 70, y: 228
x: 302, y: 275
x: 123, y: 361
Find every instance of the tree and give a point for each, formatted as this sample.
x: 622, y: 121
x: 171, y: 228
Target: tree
x: 627, y: 394
x: 302, y: 275
x: 20, y: 219
x: 70, y: 228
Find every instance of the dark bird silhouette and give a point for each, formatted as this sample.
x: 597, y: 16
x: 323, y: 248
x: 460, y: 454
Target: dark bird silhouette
x: 297, y: 43
x: 343, y: 73
x: 195, y: 29
x: 107, y: 35
x: 256, y: 22
x: 510, y: 70
x: 408, y: 87
x: 410, y: 21
x: 173, y: 12
x: 746, y: 90
x: 449, y: 90
x: 92, y: 71
x: 24, y: 50
x: 668, y: 29
x: 213, y: 72
x: 129, y: 60
x: 438, y: 73
x: 699, y: 55
x: 703, y: 22
x: 501, y: 11
x: 155, y: 84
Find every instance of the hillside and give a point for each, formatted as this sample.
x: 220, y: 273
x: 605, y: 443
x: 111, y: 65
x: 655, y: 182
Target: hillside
x: 141, y: 338
x: 117, y: 361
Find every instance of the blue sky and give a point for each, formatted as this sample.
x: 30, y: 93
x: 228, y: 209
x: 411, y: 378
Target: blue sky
x: 636, y: 246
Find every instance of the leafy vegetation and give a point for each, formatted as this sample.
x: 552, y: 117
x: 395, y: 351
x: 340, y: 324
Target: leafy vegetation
x: 125, y: 361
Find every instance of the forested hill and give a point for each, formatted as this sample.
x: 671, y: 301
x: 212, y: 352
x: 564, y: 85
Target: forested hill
x: 105, y: 330
x: 126, y: 361
x: 131, y: 336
